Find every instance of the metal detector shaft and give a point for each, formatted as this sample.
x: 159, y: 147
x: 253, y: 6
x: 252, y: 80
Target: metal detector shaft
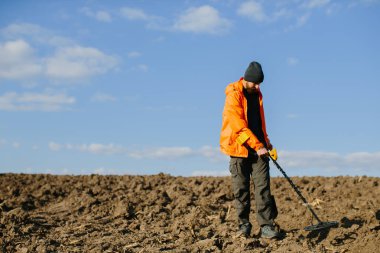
x: 295, y: 189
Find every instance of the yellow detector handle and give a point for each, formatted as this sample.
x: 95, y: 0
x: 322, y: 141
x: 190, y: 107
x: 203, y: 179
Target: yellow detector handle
x: 273, y: 154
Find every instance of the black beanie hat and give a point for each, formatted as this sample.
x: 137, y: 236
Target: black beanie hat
x: 254, y: 73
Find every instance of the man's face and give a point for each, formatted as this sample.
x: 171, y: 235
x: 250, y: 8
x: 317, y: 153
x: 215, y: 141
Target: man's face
x: 251, y: 87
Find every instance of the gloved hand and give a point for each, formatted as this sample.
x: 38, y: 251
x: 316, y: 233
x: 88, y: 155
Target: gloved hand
x: 262, y: 152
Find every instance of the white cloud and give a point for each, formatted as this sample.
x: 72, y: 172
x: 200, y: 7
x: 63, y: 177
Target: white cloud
x: 21, y: 29
x: 367, y: 2
x: 149, y: 153
x: 159, y: 39
x: 134, y: 54
x: 100, y: 171
x: 311, y: 4
x: 142, y: 67
x: 17, y: 60
x: 3, y: 142
x: 102, y: 16
x: 332, y: 9
x: 103, y: 97
x: 151, y: 21
x: 309, y: 159
x: 363, y: 160
x: 282, y: 11
x: 35, y: 33
x: 134, y: 14
x: 68, y: 62
x: 292, y: 61
x: 355, y: 3
x: 330, y: 162
x: 54, y: 146
x: 252, y: 10
x: 78, y: 63
x: 294, y: 14
x: 281, y: 14
x: 16, y: 144
x: 357, y: 161
x: 204, y: 19
x: 301, y: 21
x: 162, y: 153
x: 171, y: 152
x: 97, y: 148
x: 29, y: 101
x: 212, y: 153
x: 55, y: 171
x: 292, y: 116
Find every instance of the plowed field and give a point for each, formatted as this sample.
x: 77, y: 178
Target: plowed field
x: 162, y: 213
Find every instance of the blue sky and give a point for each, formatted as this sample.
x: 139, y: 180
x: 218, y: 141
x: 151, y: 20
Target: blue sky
x: 137, y: 87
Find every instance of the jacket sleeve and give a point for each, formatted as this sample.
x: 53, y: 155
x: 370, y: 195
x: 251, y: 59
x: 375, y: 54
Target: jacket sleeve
x: 234, y: 112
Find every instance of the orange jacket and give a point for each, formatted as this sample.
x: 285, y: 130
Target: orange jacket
x: 235, y: 132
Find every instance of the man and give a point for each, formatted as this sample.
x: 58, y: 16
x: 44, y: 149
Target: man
x: 244, y: 138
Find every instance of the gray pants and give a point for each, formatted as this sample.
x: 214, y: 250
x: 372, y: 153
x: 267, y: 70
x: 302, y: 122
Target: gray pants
x: 241, y: 171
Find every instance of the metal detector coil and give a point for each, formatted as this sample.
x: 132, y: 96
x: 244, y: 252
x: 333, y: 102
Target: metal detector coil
x: 322, y: 225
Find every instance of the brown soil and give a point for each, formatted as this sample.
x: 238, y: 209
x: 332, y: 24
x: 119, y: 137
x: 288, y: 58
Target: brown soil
x: 162, y: 213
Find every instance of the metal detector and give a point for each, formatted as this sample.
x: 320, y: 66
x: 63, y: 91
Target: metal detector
x: 321, y: 224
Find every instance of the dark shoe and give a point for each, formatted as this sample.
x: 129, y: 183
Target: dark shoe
x: 244, y: 230
x: 268, y: 231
